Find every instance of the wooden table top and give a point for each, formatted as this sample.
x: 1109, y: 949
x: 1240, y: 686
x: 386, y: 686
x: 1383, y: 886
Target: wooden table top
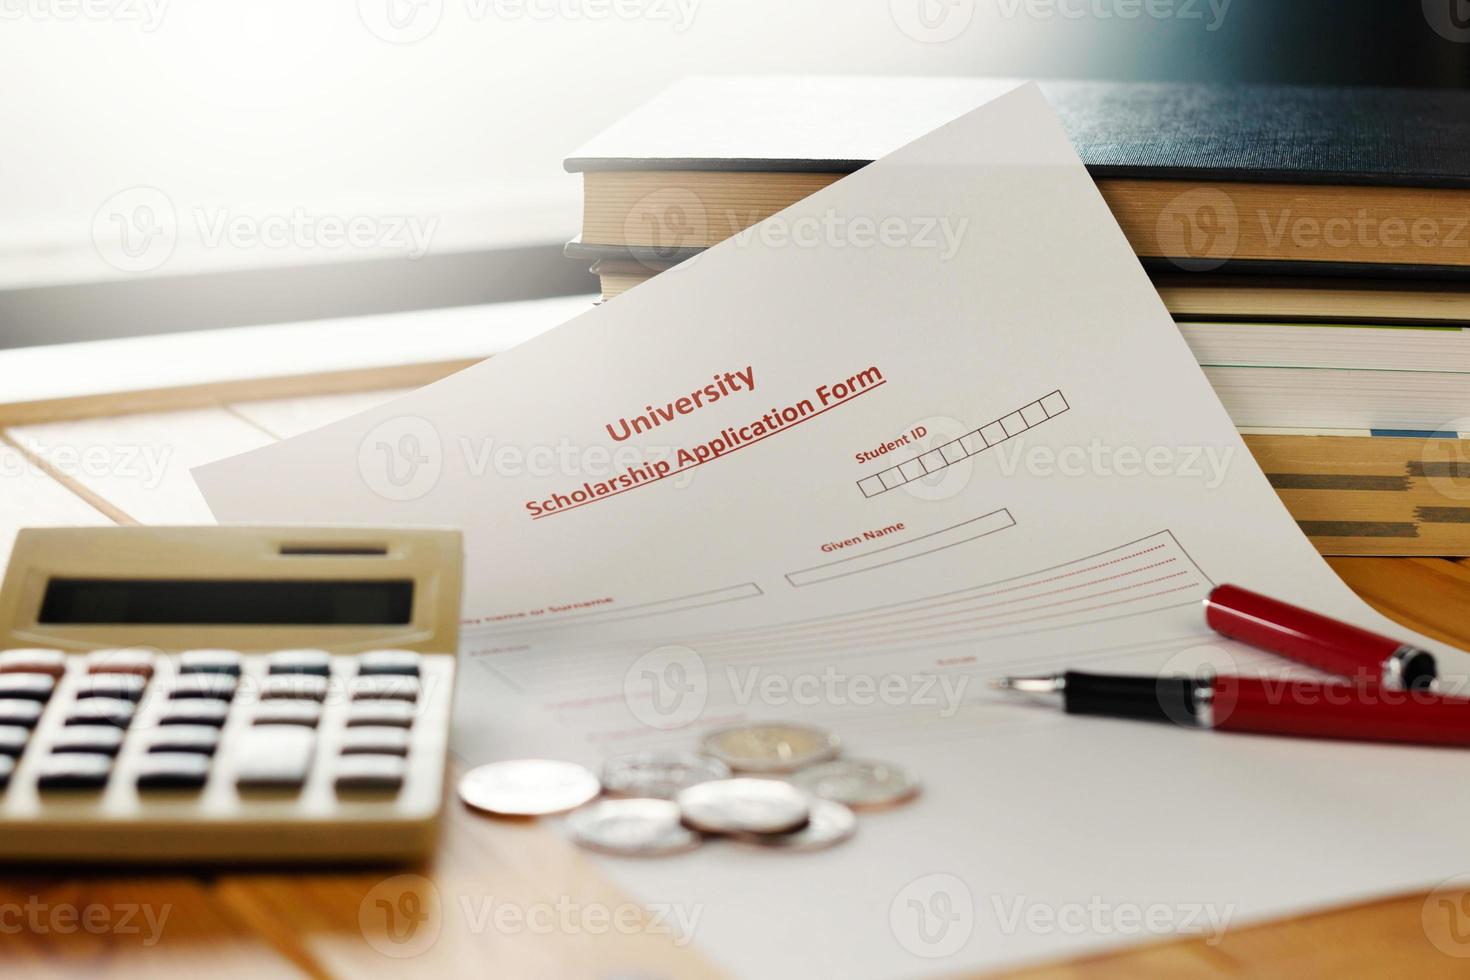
x: 440, y: 919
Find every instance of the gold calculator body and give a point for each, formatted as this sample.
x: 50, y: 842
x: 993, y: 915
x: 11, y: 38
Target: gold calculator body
x: 224, y: 694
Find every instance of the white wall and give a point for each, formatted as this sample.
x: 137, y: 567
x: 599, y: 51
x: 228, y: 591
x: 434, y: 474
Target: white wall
x: 260, y: 110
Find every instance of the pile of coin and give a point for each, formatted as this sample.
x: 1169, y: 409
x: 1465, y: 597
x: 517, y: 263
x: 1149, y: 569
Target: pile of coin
x: 773, y: 785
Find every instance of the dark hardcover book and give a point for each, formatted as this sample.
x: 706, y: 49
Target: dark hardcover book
x: 1252, y: 179
x: 657, y: 258
x: 1288, y: 134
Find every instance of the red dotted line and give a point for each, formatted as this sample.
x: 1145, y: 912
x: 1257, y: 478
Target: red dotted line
x: 905, y: 630
x: 821, y: 628
x: 870, y: 641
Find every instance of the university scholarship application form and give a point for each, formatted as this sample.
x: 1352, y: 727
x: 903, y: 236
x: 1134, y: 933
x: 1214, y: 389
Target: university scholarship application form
x: 929, y: 426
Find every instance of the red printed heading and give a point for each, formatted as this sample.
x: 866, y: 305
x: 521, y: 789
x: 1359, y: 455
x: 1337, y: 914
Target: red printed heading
x: 824, y: 398
x: 723, y: 386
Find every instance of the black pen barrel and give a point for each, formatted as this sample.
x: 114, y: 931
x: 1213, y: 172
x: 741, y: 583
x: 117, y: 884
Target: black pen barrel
x: 1143, y: 698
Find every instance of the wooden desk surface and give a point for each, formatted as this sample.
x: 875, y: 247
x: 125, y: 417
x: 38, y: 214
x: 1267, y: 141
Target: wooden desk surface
x: 439, y: 919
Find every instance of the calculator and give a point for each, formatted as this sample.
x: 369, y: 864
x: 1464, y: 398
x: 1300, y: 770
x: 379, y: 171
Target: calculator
x: 225, y: 694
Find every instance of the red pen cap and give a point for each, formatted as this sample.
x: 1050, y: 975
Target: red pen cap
x: 1333, y: 709
x: 1316, y: 640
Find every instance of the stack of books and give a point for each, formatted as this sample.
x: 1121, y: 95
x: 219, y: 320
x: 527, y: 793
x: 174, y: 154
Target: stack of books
x: 1313, y: 246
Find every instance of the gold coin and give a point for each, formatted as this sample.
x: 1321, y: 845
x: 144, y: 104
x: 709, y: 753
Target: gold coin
x: 771, y: 747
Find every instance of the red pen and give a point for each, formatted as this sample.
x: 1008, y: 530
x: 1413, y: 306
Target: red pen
x: 1310, y: 709
x: 1316, y: 640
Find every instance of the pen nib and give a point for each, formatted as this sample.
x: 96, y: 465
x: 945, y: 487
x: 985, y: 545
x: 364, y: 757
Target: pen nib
x: 1029, y: 685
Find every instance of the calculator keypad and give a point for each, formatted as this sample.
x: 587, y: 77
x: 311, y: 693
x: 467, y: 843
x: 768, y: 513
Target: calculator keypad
x: 370, y: 772
x: 51, y: 662
x: 101, y: 711
x: 293, y: 687
x: 276, y: 757
x: 216, y: 686
x: 195, y: 711
x: 80, y: 770
x: 126, y: 687
x: 201, y: 739
x: 300, y: 662
x: 298, y: 710
x: 304, y: 713
x: 385, y: 687
x: 173, y: 770
x: 102, y: 739
x: 23, y: 714
x: 27, y: 687
x: 375, y: 740
x: 395, y: 714
x: 129, y: 661
x: 404, y: 662
x: 226, y: 662
x: 13, y: 739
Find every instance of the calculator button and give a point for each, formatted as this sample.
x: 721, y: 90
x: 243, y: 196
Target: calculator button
x: 317, y: 662
x: 395, y: 714
x: 195, y: 711
x: 306, y: 713
x: 308, y: 687
x: 375, y: 740
x: 102, y: 739
x: 19, y: 713
x: 173, y: 770
x: 210, y: 662
x: 276, y: 756
x: 126, y: 687
x: 28, y: 661
x: 201, y: 739
x: 7, y: 766
x: 387, y: 687
x: 27, y: 687
x: 79, y: 770
x: 13, y: 739
x: 133, y: 660
x: 380, y: 772
x: 220, y: 687
x: 101, y: 711
x: 388, y: 662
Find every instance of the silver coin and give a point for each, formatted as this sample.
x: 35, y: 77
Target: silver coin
x: 753, y: 806
x: 830, y: 823
x: 659, y: 775
x: 528, y: 787
x: 632, y: 827
x: 859, y: 782
x: 771, y: 748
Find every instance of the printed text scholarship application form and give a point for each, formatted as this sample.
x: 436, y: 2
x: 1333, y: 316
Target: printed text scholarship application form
x: 928, y: 426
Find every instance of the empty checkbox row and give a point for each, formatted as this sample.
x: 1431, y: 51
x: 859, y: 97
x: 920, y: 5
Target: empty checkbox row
x: 967, y: 445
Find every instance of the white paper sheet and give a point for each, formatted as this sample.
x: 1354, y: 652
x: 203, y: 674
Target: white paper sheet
x: 1087, y: 490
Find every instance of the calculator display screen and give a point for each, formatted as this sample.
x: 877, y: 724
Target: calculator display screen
x: 232, y: 602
